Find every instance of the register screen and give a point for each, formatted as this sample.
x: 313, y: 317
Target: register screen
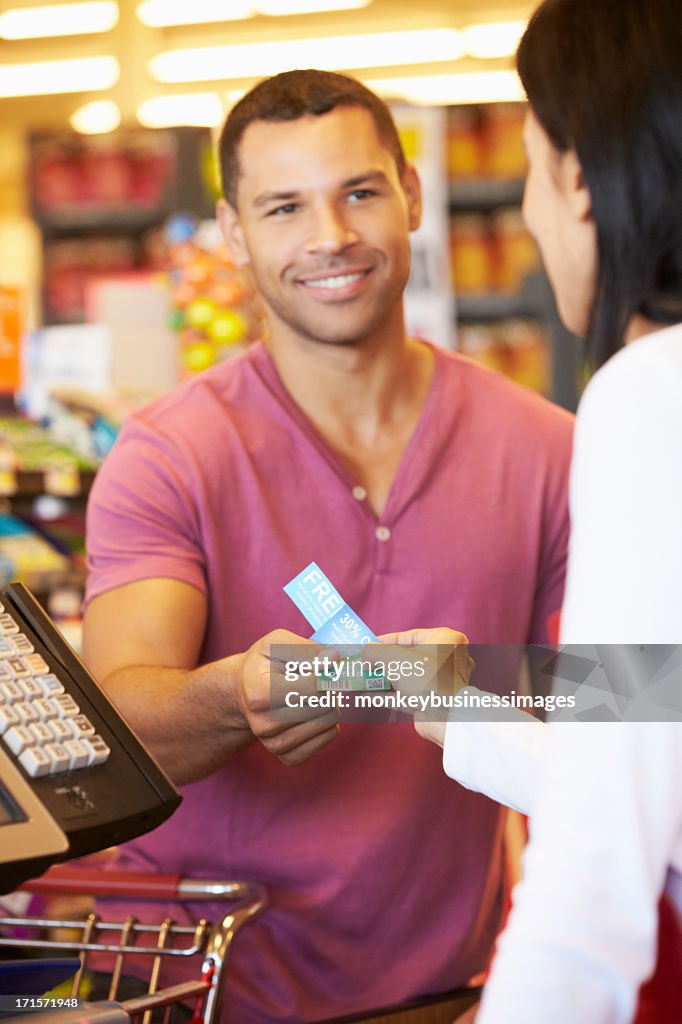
x: 10, y: 812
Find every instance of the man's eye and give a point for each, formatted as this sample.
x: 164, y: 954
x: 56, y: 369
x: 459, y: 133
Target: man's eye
x: 361, y: 193
x: 280, y: 211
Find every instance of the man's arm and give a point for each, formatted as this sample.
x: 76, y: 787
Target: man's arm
x: 142, y: 642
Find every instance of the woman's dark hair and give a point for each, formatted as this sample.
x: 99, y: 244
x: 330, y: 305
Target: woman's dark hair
x: 604, y: 77
x: 294, y: 94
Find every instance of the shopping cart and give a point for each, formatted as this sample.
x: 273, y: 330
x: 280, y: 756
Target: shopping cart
x: 204, y: 944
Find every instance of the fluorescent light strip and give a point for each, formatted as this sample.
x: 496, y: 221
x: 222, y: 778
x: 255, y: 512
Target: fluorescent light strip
x: 96, y: 118
x: 164, y: 13
x: 277, y: 8
x: 201, y: 109
x: 463, y: 87
x: 331, y: 53
x: 50, y: 77
x: 58, y: 20
x: 498, y: 39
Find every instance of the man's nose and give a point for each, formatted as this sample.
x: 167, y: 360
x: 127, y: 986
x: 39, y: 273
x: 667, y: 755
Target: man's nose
x: 330, y: 232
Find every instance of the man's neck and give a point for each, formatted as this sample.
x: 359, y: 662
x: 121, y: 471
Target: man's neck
x: 356, y: 387
x: 364, y: 400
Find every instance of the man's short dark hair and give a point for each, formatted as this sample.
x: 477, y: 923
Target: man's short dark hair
x: 295, y: 94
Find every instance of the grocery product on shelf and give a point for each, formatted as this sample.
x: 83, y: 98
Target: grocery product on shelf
x: 515, y: 252
x: 29, y: 458
x: 215, y: 307
x: 12, y: 316
x: 486, y: 142
x: 517, y: 348
x: 472, y: 254
x: 501, y: 134
x: 27, y: 555
x: 98, y: 201
x: 503, y: 314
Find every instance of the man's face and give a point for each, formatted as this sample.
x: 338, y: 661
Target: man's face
x: 323, y: 218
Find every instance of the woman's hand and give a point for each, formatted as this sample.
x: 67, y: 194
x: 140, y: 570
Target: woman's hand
x: 448, y: 652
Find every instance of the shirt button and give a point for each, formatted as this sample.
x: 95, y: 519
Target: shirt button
x: 359, y: 493
x: 382, y: 533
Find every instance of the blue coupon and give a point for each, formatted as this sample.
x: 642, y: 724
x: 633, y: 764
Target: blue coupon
x: 335, y: 624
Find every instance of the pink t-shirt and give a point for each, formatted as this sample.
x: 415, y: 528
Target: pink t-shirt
x: 384, y: 877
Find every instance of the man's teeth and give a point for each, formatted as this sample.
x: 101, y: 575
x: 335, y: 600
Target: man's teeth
x: 334, y: 282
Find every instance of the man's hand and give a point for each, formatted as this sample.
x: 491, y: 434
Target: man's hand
x: 194, y: 718
x: 450, y: 673
x: 291, y: 735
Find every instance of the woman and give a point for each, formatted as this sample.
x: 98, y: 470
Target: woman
x: 604, y: 201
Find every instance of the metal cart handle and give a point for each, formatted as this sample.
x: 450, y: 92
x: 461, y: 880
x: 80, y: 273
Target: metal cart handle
x: 63, y: 879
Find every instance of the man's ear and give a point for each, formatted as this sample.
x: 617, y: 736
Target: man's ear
x: 231, y: 229
x: 575, y: 189
x: 413, y: 191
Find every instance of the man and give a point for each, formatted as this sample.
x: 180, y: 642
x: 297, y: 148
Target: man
x: 427, y: 488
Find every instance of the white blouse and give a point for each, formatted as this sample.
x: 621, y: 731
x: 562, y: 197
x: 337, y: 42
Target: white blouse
x: 605, y: 799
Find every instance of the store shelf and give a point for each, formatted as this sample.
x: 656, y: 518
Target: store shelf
x: 75, y: 219
x: 100, y: 204
x: 530, y: 302
x: 484, y: 194
x: 495, y: 306
x: 25, y: 484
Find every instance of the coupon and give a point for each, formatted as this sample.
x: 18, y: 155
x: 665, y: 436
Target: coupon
x: 336, y: 625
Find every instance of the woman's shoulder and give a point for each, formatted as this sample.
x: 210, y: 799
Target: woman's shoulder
x: 645, y: 375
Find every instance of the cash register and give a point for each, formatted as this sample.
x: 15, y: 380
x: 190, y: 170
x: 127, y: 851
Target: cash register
x: 74, y: 778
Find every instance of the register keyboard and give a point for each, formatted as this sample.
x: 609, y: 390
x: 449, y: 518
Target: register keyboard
x: 40, y: 723
x: 67, y: 739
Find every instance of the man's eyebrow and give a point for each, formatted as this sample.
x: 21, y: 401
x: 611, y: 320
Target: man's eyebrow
x: 362, y: 179
x: 274, y: 197
x: 265, y: 198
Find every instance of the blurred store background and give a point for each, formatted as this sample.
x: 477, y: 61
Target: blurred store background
x: 114, y: 283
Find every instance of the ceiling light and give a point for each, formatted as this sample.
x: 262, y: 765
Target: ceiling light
x: 330, y: 53
x: 499, y: 39
x: 96, y: 118
x: 280, y: 7
x: 58, y: 20
x: 162, y: 13
x: 201, y: 109
x: 85, y: 74
x: 463, y: 87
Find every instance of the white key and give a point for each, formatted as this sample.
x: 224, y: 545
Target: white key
x: 79, y: 755
x: 41, y: 733
x: 7, y: 648
x: 27, y: 713
x: 82, y: 727
x: 18, y: 739
x: 5, y: 671
x: 11, y: 691
x: 98, y: 751
x: 66, y: 704
x: 18, y: 666
x: 58, y: 756
x: 31, y: 688
x: 22, y: 644
x: 50, y: 684
x: 37, y: 664
x: 8, y: 718
x: 61, y: 729
x: 7, y: 624
x: 35, y: 761
x: 46, y: 708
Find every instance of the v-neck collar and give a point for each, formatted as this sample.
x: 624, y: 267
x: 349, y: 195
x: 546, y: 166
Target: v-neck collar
x: 399, y: 489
